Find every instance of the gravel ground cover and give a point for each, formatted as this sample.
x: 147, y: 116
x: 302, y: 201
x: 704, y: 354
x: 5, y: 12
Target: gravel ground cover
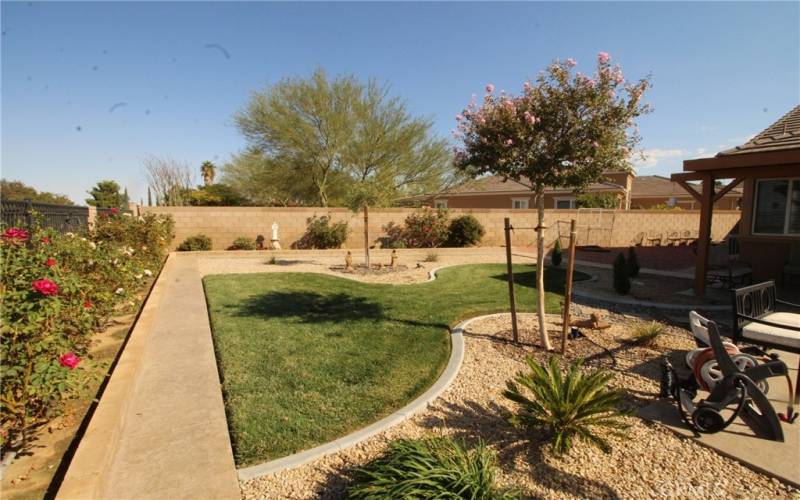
x: 651, y: 462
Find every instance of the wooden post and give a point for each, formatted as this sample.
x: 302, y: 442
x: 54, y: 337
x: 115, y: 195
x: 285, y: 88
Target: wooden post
x: 704, y: 235
x: 568, y: 290
x: 507, y: 229
x: 366, y: 238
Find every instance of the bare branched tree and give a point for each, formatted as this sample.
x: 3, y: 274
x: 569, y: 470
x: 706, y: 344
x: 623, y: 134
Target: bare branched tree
x: 170, y: 180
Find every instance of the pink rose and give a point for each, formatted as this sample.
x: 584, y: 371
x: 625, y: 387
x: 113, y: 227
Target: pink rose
x: 45, y: 287
x: 530, y: 118
x: 489, y: 88
x: 15, y: 233
x: 603, y: 57
x: 69, y: 360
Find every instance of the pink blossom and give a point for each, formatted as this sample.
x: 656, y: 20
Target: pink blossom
x: 611, y: 94
x: 530, y: 118
x: 459, y: 118
x: 603, y: 57
x: 509, y: 105
x: 489, y: 88
x: 69, y: 360
x: 571, y: 62
x: 15, y: 233
x: 509, y: 142
x: 45, y: 287
x: 590, y: 82
x: 526, y: 86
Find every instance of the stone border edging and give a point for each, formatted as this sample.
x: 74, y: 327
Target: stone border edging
x: 417, y: 405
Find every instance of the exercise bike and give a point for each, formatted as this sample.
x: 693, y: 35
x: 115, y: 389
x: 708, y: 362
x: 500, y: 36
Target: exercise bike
x: 739, y: 382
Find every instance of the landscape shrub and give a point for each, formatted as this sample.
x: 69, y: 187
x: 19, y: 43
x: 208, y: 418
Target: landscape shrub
x: 242, y: 243
x: 566, y: 405
x: 647, y: 334
x: 198, y: 242
x: 607, y: 201
x: 393, y: 237
x: 556, y: 256
x: 437, y: 467
x: 632, y: 264
x: 321, y: 233
x: 426, y: 229
x: 622, y: 282
x: 58, y: 289
x: 431, y: 257
x: 465, y: 231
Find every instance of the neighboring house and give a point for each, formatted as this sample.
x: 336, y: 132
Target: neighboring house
x: 768, y: 166
x: 653, y: 190
x: 632, y: 192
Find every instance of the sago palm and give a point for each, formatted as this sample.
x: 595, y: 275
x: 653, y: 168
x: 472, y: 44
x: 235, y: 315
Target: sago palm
x: 568, y: 405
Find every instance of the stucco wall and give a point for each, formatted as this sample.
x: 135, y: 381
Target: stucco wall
x: 614, y: 228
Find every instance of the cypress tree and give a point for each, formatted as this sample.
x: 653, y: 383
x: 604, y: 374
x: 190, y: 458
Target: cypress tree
x: 622, y: 283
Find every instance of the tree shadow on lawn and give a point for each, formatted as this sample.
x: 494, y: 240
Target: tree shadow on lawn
x: 554, y: 279
x: 313, y: 307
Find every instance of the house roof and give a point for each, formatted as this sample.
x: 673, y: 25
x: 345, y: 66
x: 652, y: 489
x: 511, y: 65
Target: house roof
x: 781, y: 135
x: 496, y: 185
x: 657, y: 186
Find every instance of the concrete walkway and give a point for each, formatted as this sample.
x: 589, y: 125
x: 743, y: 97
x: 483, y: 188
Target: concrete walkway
x: 160, y: 429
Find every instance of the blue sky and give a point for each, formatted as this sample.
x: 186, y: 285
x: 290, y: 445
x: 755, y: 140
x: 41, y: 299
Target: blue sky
x: 721, y: 71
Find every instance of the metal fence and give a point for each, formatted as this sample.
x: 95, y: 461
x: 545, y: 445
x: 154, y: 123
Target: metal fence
x: 60, y: 217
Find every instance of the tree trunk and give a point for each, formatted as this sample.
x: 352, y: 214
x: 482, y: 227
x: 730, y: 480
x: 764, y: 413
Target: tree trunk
x: 366, y: 236
x: 540, y: 308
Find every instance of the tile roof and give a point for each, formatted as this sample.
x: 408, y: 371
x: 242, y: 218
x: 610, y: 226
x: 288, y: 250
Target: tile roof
x: 495, y: 184
x: 657, y: 186
x: 781, y: 135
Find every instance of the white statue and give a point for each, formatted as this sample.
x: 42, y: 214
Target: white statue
x: 274, y: 243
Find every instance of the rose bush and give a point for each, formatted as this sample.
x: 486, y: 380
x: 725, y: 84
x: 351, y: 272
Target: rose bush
x: 57, y: 290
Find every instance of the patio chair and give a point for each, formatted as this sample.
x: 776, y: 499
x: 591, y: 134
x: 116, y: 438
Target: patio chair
x: 724, y: 269
x: 674, y: 238
x: 655, y: 240
x: 792, y: 268
x: 687, y: 237
x: 756, y: 321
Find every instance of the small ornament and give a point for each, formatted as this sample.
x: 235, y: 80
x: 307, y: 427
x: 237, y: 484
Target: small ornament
x: 348, y: 261
x: 394, y: 260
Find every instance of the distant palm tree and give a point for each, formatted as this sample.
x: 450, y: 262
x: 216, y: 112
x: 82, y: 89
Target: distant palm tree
x: 208, y: 170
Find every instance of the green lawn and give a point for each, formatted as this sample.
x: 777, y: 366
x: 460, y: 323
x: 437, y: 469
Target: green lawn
x: 307, y: 358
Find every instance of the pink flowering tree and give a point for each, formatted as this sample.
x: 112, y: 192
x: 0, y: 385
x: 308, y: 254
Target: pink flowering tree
x: 563, y: 130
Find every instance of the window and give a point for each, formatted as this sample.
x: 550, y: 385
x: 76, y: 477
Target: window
x: 440, y: 204
x: 777, y: 207
x: 565, y: 203
x: 519, y: 203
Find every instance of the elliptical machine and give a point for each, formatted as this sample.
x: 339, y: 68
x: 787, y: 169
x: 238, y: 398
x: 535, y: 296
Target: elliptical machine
x: 740, y: 386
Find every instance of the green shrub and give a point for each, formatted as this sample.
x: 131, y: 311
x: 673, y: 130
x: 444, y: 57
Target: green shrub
x: 622, y: 282
x: 198, y: 242
x: 429, y: 468
x: 59, y: 289
x: 632, y: 264
x: 321, y: 233
x: 607, y: 201
x: 465, y: 231
x: 426, y: 229
x: 646, y: 334
x: 243, y: 243
x: 556, y: 256
x: 431, y: 257
x: 566, y: 405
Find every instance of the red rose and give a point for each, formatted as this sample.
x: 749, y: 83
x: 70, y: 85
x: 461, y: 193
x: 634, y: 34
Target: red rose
x: 45, y: 287
x: 50, y: 262
x: 15, y: 233
x: 87, y: 304
x: 69, y: 360
x: 114, y: 210
x: 46, y: 240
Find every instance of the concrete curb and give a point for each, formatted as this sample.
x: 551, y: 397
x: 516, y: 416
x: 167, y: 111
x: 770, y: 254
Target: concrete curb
x: 656, y: 305
x: 445, y: 379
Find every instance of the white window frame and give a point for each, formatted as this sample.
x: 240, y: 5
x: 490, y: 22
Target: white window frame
x: 790, y: 181
x: 440, y: 204
x: 525, y: 201
x: 573, y: 203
